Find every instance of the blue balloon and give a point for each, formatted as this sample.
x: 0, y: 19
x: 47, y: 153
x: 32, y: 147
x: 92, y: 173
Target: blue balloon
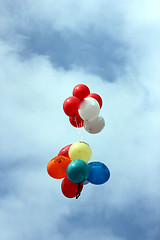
x: 98, y: 173
x: 77, y: 171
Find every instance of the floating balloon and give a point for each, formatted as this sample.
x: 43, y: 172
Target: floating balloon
x: 71, y: 106
x: 98, y: 173
x: 76, y: 121
x: 77, y: 171
x: 80, y: 150
x: 64, y: 151
x: 57, y: 166
x: 81, y: 91
x: 97, y: 97
x: 94, y: 126
x: 89, y: 109
x: 71, y: 189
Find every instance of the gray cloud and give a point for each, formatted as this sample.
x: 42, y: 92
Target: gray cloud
x: 94, y: 51
x: 102, y: 220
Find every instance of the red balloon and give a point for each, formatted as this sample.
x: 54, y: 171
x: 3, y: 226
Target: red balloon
x: 64, y: 151
x: 97, y: 97
x: 81, y: 91
x: 76, y: 121
x: 71, y: 105
x: 71, y: 189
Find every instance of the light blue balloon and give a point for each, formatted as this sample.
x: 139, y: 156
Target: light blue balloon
x: 85, y: 182
x: 98, y: 173
x: 77, y: 171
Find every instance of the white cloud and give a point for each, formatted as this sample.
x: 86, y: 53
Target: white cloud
x: 34, y: 128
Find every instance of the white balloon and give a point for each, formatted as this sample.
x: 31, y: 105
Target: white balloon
x: 94, y: 126
x: 89, y: 109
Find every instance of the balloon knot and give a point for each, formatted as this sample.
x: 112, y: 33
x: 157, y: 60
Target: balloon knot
x: 78, y: 193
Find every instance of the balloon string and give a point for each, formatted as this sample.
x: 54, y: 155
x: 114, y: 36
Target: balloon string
x: 78, y: 191
x: 79, y: 132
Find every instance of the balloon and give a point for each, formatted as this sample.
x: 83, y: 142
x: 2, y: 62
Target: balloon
x: 80, y: 150
x: 77, y: 171
x: 64, y: 151
x: 71, y: 189
x: 57, y: 166
x: 94, y: 126
x: 76, y: 121
x: 98, y: 173
x: 71, y: 105
x: 97, y: 97
x: 81, y: 91
x: 89, y: 109
x: 85, y: 182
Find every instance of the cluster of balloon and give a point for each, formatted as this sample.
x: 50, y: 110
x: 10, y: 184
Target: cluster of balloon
x: 71, y: 166
x: 83, y: 109
x: 71, y: 163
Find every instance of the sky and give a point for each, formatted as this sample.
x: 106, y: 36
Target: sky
x: 47, y: 48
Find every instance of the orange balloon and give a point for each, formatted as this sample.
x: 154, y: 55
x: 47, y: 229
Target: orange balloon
x: 57, y: 166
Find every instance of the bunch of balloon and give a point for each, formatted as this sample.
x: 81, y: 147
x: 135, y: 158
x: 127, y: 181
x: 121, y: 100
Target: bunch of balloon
x: 83, y: 109
x: 71, y: 166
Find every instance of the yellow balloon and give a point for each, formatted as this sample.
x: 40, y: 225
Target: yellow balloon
x: 81, y: 151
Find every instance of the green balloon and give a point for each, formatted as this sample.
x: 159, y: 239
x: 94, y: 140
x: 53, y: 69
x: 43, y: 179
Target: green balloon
x: 77, y: 171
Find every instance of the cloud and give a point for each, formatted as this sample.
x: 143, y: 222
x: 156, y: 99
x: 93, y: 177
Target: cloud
x: 34, y: 127
x: 85, y: 44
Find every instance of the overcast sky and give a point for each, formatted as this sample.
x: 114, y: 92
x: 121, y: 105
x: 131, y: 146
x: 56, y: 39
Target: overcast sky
x: 46, y: 48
